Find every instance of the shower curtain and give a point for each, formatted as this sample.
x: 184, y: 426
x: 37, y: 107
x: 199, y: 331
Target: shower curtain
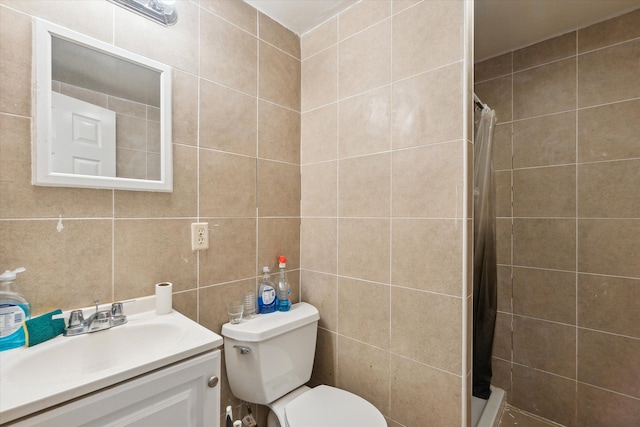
x: 484, y: 262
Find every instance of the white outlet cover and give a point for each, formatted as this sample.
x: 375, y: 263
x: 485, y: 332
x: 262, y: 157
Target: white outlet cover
x: 199, y: 236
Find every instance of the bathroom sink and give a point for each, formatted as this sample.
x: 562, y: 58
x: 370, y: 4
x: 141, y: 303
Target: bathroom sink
x: 32, y: 379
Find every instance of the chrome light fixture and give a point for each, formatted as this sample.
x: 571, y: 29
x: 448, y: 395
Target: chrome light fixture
x: 160, y: 11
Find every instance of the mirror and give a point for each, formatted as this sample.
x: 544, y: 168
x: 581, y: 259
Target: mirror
x: 102, y: 114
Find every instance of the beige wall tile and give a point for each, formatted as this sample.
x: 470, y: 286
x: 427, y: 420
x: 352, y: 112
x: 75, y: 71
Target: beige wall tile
x: 319, y: 135
x: 321, y: 291
x: 611, y: 31
x: 400, y: 5
x: 609, y: 361
x: 75, y: 270
x: 131, y: 132
x: 502, y: 340
x: 609, y: 189
x: 531, y: 391
x: 179, y: 47
x: 365, y: 123
x: 363, y: 312
x: 231, y: 253
x: 503, y: 194
x: 545, y: 243
x: 501, y: 374
x: 319, y: 79
x: 495, y: 67
x: 228, y: 54
x: 425, y: 327
x: 505, y: 288
x: 364, y: 370
x: 184, y: 108
x: 320, y: 38
x: 608, y: 132
x: 502, y: 151
x: 545, y: 89
x: 326, y: 360
x: 278, y: 236
x: 363, y: 186
x: 504, y: 240
x: 318, y: 244
x: 275, y: 34
x: 152, y: 251
x: 362, y: 15
x: 364, y: 60
x: 186, y: 303
x: 363, y: 249
x: 549, y: 50
x: 532, y: 196
x: 601, y: 408
x: 15, y: 74
x: 412, y: 403
x: 417, y: 263
x: 498, y: 94
x: 319, y: 189
x: 427, y: 24
x: 227, y: 184
x: 278, y: 189
x: 545, y: 141
x: 279, y: 77
x: 598, y: 85
x: 230, y: 125
x: 212, y: 300
x: 609, y: 246
x: 237, y: 12
x: 547, y: 346
x: 545, y: 294
x: 427, y: 108
x: 427, y: 181
x: 131, y: 163
x: 278, y: 133
x: 609, y: 304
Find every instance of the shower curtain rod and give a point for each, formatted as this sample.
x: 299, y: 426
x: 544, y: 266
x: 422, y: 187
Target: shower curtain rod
x: 479, y: 103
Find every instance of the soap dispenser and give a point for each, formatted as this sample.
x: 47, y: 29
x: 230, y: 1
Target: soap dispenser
x: 14, y: 309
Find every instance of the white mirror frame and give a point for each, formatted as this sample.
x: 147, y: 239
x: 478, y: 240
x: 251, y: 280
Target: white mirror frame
x: 42, y: 173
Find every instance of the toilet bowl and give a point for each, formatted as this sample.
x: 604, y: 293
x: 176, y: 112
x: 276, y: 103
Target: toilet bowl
x: 269, y: 359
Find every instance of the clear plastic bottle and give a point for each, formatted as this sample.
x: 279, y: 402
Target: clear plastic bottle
x: 14, y: 309
x: 266, y: 293
x: 284, y: 289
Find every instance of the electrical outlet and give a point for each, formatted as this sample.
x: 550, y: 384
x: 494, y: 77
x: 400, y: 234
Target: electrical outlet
x: 199, y: 236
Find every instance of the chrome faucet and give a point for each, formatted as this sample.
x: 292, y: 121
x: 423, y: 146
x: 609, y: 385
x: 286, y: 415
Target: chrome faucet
x: 98, y: 321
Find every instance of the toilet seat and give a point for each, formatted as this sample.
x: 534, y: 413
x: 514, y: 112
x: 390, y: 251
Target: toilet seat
x: 325, y: 406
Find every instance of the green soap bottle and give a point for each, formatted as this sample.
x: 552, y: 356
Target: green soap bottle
x: 14, y: 309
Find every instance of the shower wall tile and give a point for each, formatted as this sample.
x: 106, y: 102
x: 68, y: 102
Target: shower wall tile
x: 502, y: 152
x: 531, y: 391
x: 609, y: 189
x: 545, y: 141
x: 320, y: 38
x: 547, y: 346
x: 503, y: 194
x: 495, y: 67
x: 596, y: 82
x: 277, y: 35
x: 502, y: 341
x: 609, y: 304
x: 609, y: 246
x: 544, y: 52
x: 363, y: 186
x: 531, y: 195
x: 320, y: 189
x: 609, y: 361
x: 505, y: 288
x: 319, y: 135
x: 545, y: 89
x: 609, y: 132
x: 504, y: 241
x: 419, y: 27
x: 545, y: 243
x: 602, y: 408
x: 364, y: 60
x: 545, y: 294
x: 319, y: 80
x: 362, y: 15
x: 619, y: 29
x: 356, y: 319
x: 497, y: 93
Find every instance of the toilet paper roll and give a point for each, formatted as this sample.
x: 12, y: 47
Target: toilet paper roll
x: 164, y: 293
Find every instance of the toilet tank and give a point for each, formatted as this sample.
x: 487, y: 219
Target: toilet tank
x: 272, y: 354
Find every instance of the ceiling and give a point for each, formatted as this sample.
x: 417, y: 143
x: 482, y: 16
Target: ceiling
x: 500, y: 25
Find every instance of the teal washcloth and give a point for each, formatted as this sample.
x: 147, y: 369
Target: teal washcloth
x: 42, y: 328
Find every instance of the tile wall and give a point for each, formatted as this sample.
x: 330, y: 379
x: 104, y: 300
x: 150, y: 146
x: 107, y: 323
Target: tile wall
x: 567, y: 160
x: 385, y: 103
x: 236, y: 144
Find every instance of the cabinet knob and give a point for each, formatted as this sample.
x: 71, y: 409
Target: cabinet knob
x: 213, y: 381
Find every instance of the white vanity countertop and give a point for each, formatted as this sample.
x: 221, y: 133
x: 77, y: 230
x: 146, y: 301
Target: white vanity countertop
x: 64, y: 368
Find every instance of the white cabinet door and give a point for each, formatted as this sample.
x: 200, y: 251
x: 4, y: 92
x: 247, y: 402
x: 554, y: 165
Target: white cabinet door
x: 181, y: 395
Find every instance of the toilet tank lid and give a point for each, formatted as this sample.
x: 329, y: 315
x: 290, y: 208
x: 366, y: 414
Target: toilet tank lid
x: 265, y: 326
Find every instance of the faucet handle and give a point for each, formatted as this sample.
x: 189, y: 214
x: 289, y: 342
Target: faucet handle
x: 117, y: 312
x: 76, y: 318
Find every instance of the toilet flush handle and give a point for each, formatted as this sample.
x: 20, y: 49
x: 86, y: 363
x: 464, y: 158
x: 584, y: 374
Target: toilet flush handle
x: 243, y: 349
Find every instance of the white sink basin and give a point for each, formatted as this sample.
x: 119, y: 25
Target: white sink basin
x: 35, y: 378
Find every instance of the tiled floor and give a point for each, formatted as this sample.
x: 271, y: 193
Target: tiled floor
x: 512, y: 417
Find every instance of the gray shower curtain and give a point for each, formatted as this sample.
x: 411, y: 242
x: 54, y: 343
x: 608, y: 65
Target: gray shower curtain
x: 484, y: 262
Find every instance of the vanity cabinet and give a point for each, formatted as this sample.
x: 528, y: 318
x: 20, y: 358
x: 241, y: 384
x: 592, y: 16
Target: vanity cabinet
x: 185, y: 394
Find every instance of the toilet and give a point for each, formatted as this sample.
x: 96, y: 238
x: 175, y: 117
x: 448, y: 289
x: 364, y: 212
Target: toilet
x: 269, y: 359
